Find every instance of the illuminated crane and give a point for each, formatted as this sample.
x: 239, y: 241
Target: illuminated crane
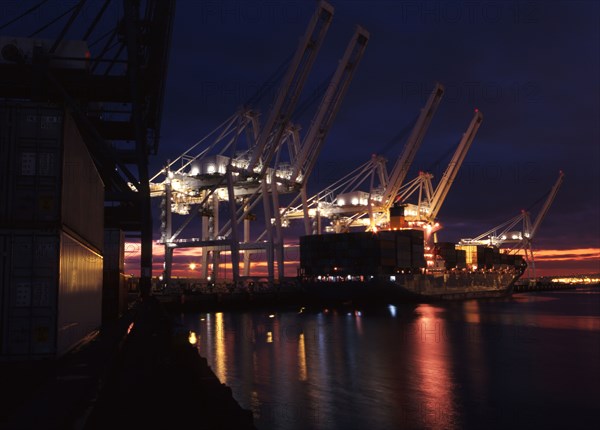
x: 450, y: 174
x: 425, y: 212
x: 292, y: 85
x: 302, y: 159
x: 346, y: 206
x: 204, y: 175
x: 403, y: 163
x: 206, y: 178
x: 504, y: 234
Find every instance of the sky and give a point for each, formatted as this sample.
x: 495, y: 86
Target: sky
x: 531, y: 68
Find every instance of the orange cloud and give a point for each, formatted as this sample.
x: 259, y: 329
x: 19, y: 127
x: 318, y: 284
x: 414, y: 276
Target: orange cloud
x: 582, y: 254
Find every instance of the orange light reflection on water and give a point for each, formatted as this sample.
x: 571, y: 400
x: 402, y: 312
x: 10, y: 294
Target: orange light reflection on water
x: 220, y: 353
x: 302, y: 372
x: 478, y: 375
x: 432, y: 361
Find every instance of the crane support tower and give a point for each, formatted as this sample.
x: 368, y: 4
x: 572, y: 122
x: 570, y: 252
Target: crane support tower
x: 242, y: 165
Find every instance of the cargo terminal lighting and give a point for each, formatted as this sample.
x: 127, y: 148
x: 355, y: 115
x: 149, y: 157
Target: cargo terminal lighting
x: 242, y: 164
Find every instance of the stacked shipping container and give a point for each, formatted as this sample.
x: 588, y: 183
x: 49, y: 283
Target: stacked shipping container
x: 487, y: 257
x: 453, y: 257
x: 51, y: 233
x: 362, y: 253
x: 388, y: 252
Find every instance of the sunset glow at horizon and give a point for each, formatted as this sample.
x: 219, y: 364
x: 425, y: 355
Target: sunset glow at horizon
x: 548, y: 262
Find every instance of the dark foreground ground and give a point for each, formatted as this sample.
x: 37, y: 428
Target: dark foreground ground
x: 140, y: 372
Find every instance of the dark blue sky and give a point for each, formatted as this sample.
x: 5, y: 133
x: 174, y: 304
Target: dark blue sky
x: 532, y: 68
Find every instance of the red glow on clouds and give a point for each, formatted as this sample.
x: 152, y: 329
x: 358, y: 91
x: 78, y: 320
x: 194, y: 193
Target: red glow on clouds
x: 549, y: 262
x: 556, y: 262
x: 583, y: 254
x: 183, y: 257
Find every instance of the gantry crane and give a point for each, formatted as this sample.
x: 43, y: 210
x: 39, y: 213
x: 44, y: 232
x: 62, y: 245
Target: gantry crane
x: 403, y: 163
x: 424, y: 213
x: 326, y: 114
x: 303, y: 160
x: 199, y: 179
x: 517, y: 240
x: 246, y: 173
x: 346, y: 206
x: 381, y: 199
x: 292, y: 85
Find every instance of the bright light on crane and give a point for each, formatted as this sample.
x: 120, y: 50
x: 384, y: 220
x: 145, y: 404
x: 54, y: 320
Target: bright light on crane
x: 276, y: 161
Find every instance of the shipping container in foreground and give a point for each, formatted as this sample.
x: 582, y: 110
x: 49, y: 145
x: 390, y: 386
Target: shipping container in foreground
x: 47, y: 177
x: 51, y: 293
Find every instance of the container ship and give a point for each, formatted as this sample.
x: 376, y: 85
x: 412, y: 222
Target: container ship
x: 400, y: 265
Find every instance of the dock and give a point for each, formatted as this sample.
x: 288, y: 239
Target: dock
x: 139, y: 372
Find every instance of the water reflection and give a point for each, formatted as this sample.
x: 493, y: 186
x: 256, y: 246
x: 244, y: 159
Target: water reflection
x: 459, y: 365
x: 472, y: 339
x: 433, y: 374
x: 302, y: 374
x: 221, y: 352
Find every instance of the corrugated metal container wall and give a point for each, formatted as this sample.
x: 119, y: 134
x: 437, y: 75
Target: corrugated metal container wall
x: 461, y: 258
x: 48, y: 178
x: 418, y: 249
x: 51, y: 294
x: 82, y: 188
x: 362, y: 252
x: 30, y: 279
x: 79, y: 292
x: 31, y: 148
x: 403, y: 252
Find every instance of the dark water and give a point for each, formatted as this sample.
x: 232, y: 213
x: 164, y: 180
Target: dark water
x: 531, y: 361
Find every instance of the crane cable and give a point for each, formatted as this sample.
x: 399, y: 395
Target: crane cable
x: 28, y: 11
x: 442, y: 157
x: 104, y: 36
x: 58, y: 18
x: 275, y: 77
x: 398, y: 137
x: 309, y: 101
x: 538, y: 201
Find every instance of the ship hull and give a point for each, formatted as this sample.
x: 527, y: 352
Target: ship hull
x: 414, y: 287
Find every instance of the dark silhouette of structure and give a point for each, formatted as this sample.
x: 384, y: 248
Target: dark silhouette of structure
x: 113, y: 90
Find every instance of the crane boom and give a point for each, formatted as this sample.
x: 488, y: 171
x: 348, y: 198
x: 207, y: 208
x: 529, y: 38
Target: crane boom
x: 400, y: 170
x: 452, y: 170
x: 330, y: 105
x: 292, y: 85
x: 547, y: 205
